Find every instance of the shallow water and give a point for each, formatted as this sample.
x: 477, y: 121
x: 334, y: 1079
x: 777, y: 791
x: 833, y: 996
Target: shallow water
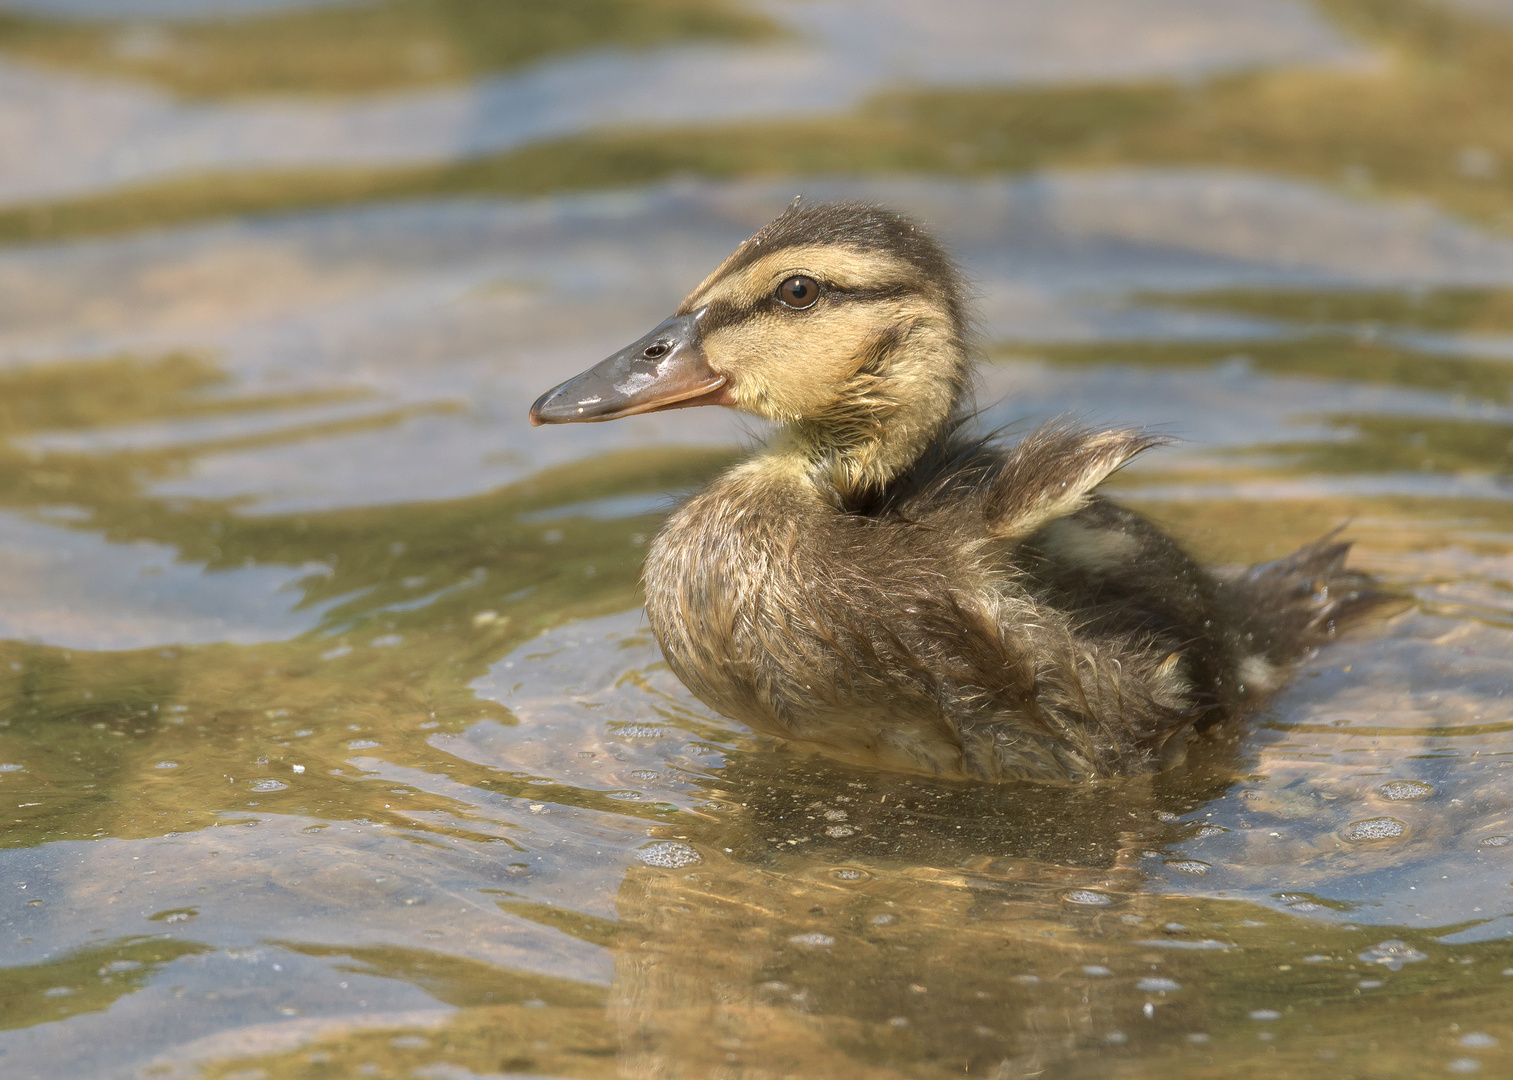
x: 334, y: 742
x: 826, y: 57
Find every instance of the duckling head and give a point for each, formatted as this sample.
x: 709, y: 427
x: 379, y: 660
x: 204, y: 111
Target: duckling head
x: 842, y: 321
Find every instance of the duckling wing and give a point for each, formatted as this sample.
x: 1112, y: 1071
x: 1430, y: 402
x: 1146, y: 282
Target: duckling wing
x: 1051, y: 473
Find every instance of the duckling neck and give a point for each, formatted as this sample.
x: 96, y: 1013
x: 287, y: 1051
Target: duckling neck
x: 887, y: 415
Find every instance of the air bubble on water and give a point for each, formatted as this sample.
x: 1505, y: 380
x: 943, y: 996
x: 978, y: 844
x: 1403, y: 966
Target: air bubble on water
x: 166, y: 765
x: 836, y: 815
x: 1393, y: 954
x: 1265, y: 1014
x: 847, y: 873
x: 1210, y: 830
x: 1463, y: 1065
x: 625, y: 796
x: 1027, y: 980
x: 814, y: 940
x: 363, y: 744
x: 1167, y: 815
x: 11, y: 766
x: 1477, y: 1040
x: 1495, y: 841
x: 1199, y: 1037
x: 644, y: 774
x: 1087, y: 897
x: 637, y: 731
x: 1096, y: 970
x: 1154, y: 984
x: 839, y: 831
x: 269, y: 785
x: 1381, y: 828
x: 1116, y: 1038
x: 1188, y: 866
x: 1403, y: 790
x: 881, y: 920
x: 668, y: 854
x: 1371, y: 984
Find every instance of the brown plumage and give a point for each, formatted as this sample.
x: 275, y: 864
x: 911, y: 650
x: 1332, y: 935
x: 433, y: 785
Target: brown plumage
x: 879, y: 585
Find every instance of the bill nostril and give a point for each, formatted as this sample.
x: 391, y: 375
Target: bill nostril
x: 652, y: 352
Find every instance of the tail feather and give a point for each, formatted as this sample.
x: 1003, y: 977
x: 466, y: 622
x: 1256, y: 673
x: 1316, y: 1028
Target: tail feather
x: 1287, y: 606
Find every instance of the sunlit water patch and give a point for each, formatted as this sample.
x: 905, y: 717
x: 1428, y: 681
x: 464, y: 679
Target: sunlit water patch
x: 333, y: 740
x: 388, y: 353
x: 74, y: 589
x: 118, y: 134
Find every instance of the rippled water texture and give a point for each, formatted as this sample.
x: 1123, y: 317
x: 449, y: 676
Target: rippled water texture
x: 332, y: 738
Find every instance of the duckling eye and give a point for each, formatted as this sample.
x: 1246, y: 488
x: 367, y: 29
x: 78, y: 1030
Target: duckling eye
x: 799, y: 292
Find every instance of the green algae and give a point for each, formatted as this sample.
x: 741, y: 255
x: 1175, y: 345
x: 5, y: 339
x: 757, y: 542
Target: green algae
x: 1414, y: 126
x: 360, y: 48
x: 1321, y: 355
x: 1463, y: 310
x: 85, y: 981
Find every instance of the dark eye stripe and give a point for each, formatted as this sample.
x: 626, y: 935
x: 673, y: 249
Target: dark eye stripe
x: 879, y: 292
x: 722, y: 313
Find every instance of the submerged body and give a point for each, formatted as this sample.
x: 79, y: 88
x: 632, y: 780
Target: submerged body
x: 879, y: 586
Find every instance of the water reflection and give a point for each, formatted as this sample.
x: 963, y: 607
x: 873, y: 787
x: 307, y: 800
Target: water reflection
x: 332, y: 741
x: 726, y: 61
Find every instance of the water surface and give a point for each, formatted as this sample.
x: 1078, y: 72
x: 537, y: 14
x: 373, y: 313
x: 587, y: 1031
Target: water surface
x: 333, y: 741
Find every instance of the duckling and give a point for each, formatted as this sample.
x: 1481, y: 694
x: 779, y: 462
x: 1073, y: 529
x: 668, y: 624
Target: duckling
x: 882, y: 586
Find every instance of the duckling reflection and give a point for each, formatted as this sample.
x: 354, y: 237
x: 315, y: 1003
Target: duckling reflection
x: 954, y: 927
x: 793, y: 802
x: 882, y: 586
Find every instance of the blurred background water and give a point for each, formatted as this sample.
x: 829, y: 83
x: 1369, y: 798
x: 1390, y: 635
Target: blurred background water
x: 332, y: 739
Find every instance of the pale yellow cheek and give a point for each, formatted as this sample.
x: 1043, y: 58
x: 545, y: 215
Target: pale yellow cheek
x: 784, y: 367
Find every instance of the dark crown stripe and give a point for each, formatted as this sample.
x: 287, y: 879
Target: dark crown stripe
x: 860, y: 227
